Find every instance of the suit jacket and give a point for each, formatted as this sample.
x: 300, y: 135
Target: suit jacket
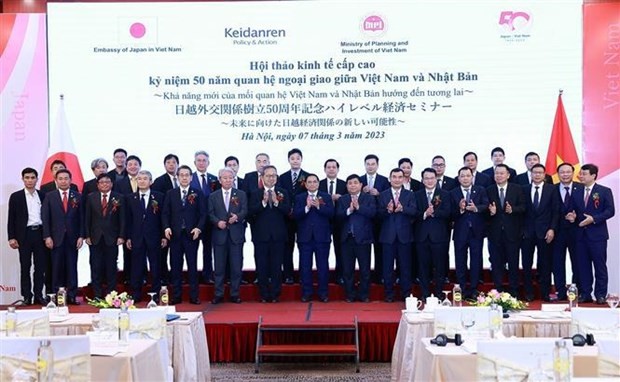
x: 269, y: 222
x: 490, y: 172
x: 360, y: 222
x: 285, y: 181
x: 415, y: 185
x: 18, y: 215
x: 240, y: 184
x: 524, y: 179
x: 112, y: 174
x: 313, y: 225
x: 435, y: 228
x: 250, y: 182
x: 109, y: 227
x: 381, y: 182
x: 483, y: 180
x: 89, y: 187
x: 145, y: 225
x: 123, y: 186
x: 51, y: 186
x: 537, y: 221
x: 56, y: 222
x: 162, y: 184
x: 510, y: 224
x: 237, y: 205
x: 600, y: 207
x: 396, y: 226
x: 567, y: 207
x: 193, y: 214
x: 212, y: 183
x: 468, y: 219
x: 341, y: 186
x: 448, y: 183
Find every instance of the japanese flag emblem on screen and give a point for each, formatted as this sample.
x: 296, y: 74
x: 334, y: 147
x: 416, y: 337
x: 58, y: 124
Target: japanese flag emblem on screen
x: 137, y: 30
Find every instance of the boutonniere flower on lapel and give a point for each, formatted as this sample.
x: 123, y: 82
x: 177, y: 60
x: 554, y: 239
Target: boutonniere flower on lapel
x: 154, y: 205
x: 115, y: 204
x: 234, y: 200
x: 597, y: 199
x: 74, y: 202
x: 279, y: 196
x: 213, y: 185
x: 191, y: 198
x: 321, y: 201
x: 436, y: 201
x: 302, y: 181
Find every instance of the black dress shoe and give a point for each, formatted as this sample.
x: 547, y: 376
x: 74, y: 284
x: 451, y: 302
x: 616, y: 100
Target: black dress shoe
x: 365, y: 299
x: 324, y: 299
x: 547, y: 299
x: 217, y: 300
x: 194, y: 301
x: 41, y: 301
x: 584, y: 299
x: 263, y: 300
x: 27, y: 301
x: 601, y: 301
x: 175, y: 301
x: 73, y: 301
x: 243, y: 282
x: 529, y: 298
x: 306, y: 298
x: 340, y: 281
x: 235, y: 300
x: 349, y: 300
x: 289, y: 281
x: 389, y: 299
x: 275, y: 300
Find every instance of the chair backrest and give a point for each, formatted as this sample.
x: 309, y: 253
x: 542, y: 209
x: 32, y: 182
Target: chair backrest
x: 603, y: 323
x: 147, y: 323
x: 30, y: 322
x: 608, y: 358
x: 448, y: 321
x: 71, y: 357
x: 515, y: 359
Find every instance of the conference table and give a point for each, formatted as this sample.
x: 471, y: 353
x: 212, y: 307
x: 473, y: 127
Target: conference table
x: 137, y: 361
x: 414, y: 327
x: 187, y: 342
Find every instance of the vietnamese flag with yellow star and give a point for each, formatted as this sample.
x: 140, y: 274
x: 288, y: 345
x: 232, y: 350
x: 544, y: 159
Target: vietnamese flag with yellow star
x: 561, y: 145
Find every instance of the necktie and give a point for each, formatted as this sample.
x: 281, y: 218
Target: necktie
x: 184, y: 197
x: 203, y: 184
x: 536, y: 197
x: 502, y: 196
x: 439, y: 181
x: 371, y: 181
x: 143, y: 202
x: 429, y: 196
x: 566, y: 195
x: 467, y: 196
x: 295, y: 175
x: 585, y: 201
x: 331, y: 187
x: 235, y: 183
x: 175, y: 182
x: 260, y: 181
x: 65, y: 201
x: 104, y: 204
x: 226, y: 200
x: 396, y: 196
x: 134, y: 184
x: 269, y: 196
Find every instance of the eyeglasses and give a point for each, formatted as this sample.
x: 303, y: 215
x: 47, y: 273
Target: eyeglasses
x: 104, y: 181
x: 439, y: 165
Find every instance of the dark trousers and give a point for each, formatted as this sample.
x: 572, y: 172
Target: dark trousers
x: 224, y: 254
x: 179, y: 247
x: 474, y: 245
x: 543, y: 265
x: 352, y: 251
x: 505, y: 251
x: 32, y: 251
x: 592, y: 253
x: 103, y: 267
x: 144, y: 251
x: 321, y: 257
x: 432, y: 259
x: 207, y: 255
x: 402, y: 252
x: 64, y: 268
x: 563, y: 241
x: 268, y: 255
x: 287, y: 260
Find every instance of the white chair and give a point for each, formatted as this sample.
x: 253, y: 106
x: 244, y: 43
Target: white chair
x: 448, y: 321
x: 602, y: 323
x: 151, y: 323
x: 30, y: 322
x: 608, y: 358
x: 71, y: 355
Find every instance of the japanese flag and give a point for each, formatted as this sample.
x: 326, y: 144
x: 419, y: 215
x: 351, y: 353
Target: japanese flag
x: 137, y: 30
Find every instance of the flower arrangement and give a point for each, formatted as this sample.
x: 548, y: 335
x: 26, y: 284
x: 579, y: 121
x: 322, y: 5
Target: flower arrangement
x: 115, y: 204
x: 191, y: 198
x: 503, y: 299
x: 279, y: 196
x: 113, y: 300
x: 154, y: 205
x: 436, y: 201
x: 74, y: 202
x: 596, y: 199
x: 234, y: 200
x: 302, y: 181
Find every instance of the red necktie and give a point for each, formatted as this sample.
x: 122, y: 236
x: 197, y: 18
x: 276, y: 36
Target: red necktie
x: 65, y: 201
x: 104, y: 204
x: 260, y: 182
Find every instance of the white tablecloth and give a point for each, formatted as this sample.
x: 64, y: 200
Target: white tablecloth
x: 415, y: 326
x: 187, y: 342
x: 140, y: 362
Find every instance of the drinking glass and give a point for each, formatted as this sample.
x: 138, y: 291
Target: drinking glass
x: 152, y: 303
x: 468, y: 319
x: 96, y: 322
x: 51, y: 306
x: 612, y: 300
x: 446, y: 301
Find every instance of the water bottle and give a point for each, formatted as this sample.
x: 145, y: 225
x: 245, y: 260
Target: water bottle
x: 45, y: 362
x: 10, y: 324
x: 561, y: 362
x: 573, y: 295
x: 123, y: 326
x: 163, y: 296
x: 457, y: 295
x: 495, y: 320
x: 61, y: 297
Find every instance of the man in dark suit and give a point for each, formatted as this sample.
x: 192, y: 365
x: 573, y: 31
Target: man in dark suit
x: 469, y: 208
x: 52, y: 186
x: 506, y: 209
x: 540, y: 224
x: 119, y: 157
x: 232, y: 162
x: 497, y: 157
x: 98, y: 166
x: 104, y: 230
x: 228, y: 208
x: 470, y: 159
x: 409, y: 183
x: 269, y: 208
x: 336, y: 188
x: 144, y: 233
x: 567, y: 231
x: 184, y: 219
x: 25, y: 235
x: 207, y: 183
x: 373, y: 184
x: 163, y: 184
x: 355, y: 211
x: 294, y: 182
x: 438, y: 163
x: 432, y: 231
x: 313, y: 211
x: 525, y: 178
x: 62, y: 215
x: 594, y: 205
x: 253, y: 180
x: 396, y: 208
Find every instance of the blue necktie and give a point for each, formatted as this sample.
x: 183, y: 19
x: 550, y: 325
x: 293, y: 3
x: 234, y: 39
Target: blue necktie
x: 203, y: 184
x: 502, y: 197
x: 536, y: 197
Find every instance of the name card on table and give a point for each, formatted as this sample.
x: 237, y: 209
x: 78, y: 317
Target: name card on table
x: 600, y: 322
x: 29, y: 322
x: 608, y: 358
x: 450, y: 320
x: 70, y: 360
x: 516, y: 359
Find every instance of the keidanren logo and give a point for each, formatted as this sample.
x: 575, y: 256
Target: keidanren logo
x: 253, y: 33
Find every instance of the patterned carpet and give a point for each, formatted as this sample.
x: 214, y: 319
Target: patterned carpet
x: 312, y: 372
